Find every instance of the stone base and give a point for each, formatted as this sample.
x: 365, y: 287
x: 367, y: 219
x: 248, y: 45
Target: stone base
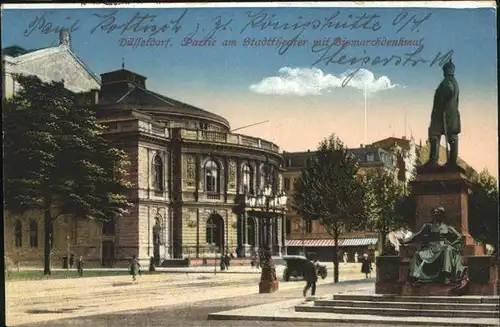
x: 431, y: 289
x: 268, y: 286
x: 387, y: 288
x: 483, y: 275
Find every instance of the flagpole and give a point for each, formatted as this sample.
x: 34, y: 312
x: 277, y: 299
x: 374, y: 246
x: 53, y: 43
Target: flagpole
x: 366, y: 128
x: 405, y: 122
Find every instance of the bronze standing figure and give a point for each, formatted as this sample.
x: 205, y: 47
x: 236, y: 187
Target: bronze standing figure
x: 445, y: 117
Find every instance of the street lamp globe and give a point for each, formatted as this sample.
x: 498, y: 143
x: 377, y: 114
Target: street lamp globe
x: 282, y: 200
x: 267, y: 191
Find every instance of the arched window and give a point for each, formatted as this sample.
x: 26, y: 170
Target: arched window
x: 33, y: 233
x: 158, y: 172
x: 18, y: 233
x: 215, y: 231
x: 263, y: 177
x: 211, y: 176
x: 246, y: 180
x: 210, y: 232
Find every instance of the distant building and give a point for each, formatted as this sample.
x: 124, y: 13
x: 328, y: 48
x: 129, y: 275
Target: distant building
x: 397, y: 155
x: 311, y: 236
x: 406, y: 154
x: 409, y: 155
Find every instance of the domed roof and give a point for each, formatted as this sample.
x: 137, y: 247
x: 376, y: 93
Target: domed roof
x: 128, y: 88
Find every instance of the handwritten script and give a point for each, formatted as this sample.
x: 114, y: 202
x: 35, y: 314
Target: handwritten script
x: 256, y: 21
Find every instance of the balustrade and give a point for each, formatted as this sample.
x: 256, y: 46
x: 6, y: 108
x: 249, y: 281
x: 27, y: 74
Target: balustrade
x: 221, y: 137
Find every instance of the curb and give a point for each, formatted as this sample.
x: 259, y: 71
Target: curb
x: 218, y: 316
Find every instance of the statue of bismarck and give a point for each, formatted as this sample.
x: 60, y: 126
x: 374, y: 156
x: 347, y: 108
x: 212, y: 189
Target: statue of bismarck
x: 445, y: 118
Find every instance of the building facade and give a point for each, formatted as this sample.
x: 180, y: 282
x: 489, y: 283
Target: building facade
x: 305, y: 236
x: 190, y: 174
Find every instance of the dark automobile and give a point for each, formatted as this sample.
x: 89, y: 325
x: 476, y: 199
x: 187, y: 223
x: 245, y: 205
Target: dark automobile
x: 296, y: 265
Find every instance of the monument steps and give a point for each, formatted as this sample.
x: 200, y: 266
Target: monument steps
x: 427, y: 299
x: 407, y: 305
x: 394, y: 312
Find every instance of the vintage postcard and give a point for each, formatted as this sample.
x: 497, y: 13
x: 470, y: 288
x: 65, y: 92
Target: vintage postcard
x: 271, y: 164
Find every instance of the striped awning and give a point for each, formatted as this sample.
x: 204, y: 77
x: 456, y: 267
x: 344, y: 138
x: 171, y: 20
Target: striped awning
x: 343, y: 242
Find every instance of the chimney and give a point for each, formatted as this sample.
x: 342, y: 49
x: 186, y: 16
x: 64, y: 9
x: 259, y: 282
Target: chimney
x: 64, y: 38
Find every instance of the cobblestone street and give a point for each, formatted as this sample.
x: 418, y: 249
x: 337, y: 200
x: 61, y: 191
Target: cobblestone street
x: 195, y: 314
x: 80, y: 300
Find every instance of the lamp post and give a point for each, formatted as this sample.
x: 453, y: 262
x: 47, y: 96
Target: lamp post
x: 303, y: 236
x: 68, y: 250
x: 267, y: 206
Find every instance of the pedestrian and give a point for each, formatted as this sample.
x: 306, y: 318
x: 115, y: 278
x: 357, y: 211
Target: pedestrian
x: 71, y: 261
x: 356, y: 257
x: 134, y: 268
x: 345, y: 257
x: 79, y: 266
x: 311, y: 278
x: 222, y: 262
x: 366, y: 266
x: 227, y: 261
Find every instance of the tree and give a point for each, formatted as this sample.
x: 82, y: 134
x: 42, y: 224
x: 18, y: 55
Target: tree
x: 483, y: 208
x: 56, y: 159
x: 329, y: 190
x: 385, y: 193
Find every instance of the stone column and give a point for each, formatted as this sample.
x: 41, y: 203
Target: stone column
x: 257, y: 185
x: 197, y: 176
x: 226, y: 177
x: 239, y: 186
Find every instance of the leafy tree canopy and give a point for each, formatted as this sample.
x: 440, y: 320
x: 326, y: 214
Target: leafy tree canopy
x: 329, y: 190
x: 383, y: 197
x: 55, y: 156
x: 483, y: 208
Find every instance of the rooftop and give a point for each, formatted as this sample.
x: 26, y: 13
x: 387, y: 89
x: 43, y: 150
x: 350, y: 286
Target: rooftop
x: 126, y: 87
x: 367, y: 156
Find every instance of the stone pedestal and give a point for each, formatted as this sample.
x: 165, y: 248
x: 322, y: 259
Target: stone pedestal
x: 268, y: 281
x: 483, y: 275
x: 388, y: 275
x: 448, y: 188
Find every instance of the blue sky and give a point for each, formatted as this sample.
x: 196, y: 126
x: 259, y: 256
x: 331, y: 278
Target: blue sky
x: 218, y: 78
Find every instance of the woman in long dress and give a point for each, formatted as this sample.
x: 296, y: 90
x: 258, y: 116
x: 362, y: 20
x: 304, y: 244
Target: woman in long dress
x: 366, y: 266
x: 439, y: 258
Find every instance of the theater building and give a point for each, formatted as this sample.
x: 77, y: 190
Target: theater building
x: 192, y: 177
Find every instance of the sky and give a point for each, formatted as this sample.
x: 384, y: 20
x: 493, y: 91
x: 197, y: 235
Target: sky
x: 334, y: 62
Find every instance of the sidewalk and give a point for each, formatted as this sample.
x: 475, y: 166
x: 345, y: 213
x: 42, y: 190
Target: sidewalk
x: 350, y: 268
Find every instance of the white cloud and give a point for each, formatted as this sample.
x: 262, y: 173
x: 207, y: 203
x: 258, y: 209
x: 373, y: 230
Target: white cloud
x: 313, y: 81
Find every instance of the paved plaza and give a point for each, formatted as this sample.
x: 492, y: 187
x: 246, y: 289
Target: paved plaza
x: 80, y: 300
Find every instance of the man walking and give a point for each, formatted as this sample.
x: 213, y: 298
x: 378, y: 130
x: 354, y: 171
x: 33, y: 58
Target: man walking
x: 135, y: 267
x: 79, y: 266
x: 311, y: 277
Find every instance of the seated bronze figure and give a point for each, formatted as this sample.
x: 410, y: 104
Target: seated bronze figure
x: 438, y: 260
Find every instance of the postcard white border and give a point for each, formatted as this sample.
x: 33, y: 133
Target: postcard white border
x: 351, y: 4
